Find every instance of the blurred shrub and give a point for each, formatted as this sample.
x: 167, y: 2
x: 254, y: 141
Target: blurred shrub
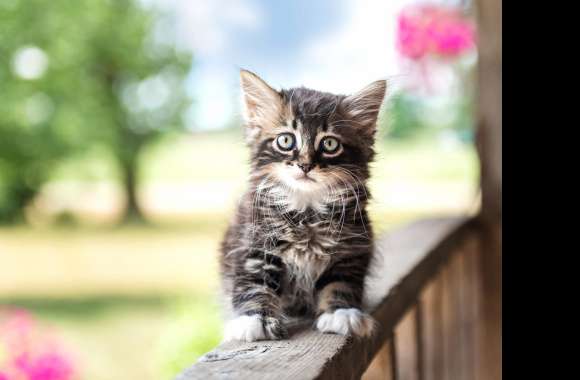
x: 196, y: 330
x: 79, y: 74
x: 409, y: 116
x: 403, y: 120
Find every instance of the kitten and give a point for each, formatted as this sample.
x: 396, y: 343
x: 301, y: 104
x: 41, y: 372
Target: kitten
x: 301, y: 240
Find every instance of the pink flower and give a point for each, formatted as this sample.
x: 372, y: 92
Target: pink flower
x: 432, y: 29
x: 49, y: 366
x: 32, y: 352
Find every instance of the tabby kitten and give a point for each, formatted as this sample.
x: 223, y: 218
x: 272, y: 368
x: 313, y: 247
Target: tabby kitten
x: 301, y: 241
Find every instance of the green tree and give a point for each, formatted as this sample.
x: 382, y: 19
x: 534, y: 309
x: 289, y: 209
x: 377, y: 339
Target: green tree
x: 78, y: 73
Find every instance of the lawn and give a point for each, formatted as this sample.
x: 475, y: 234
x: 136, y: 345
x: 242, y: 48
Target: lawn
x: 140, y: 302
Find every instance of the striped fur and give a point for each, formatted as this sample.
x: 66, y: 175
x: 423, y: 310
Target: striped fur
x: 300, y: 243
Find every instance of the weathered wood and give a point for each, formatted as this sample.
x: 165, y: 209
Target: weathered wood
x: 419, y: 339
x: 470, y: 302
x: 432, y: 301
x: 407, y: 346
x: 447, y: 325
x: 394, y: 356
x: 489, y: 105
x: 456, y: 358
x: 380, y: 367
x: 489, y: 144
x: 489, y: 325
x: 459, y: 309
x: 408, y: 259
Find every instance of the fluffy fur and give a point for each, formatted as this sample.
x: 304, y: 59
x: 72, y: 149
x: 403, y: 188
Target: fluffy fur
x: 301, y: 241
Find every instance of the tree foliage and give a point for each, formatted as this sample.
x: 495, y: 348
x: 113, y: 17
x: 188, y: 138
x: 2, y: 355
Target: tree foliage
x: 78, y: 73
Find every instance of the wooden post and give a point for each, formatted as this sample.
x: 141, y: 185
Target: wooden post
x: 489, y: 144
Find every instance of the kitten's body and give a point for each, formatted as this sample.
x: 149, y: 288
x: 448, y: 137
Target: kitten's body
x: 308, y: 242
x: 301, y: 240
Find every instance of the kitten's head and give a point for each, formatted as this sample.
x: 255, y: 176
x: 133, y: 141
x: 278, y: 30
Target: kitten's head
x: 308, y: 142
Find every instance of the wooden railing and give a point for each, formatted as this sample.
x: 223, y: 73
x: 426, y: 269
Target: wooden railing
x: 437, y: 337
x: 425, y: 296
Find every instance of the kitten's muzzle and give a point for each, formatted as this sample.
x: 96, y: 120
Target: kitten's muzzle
x: 306, y: 167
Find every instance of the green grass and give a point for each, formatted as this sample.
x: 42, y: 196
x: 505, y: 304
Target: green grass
x: 86, y: 308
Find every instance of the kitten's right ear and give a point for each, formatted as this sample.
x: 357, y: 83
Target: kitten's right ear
x: 262, y: 105
x: 363, y: 107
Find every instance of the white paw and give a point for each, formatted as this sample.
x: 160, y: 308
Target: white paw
x: 247, y: 328
x: 345, y: 322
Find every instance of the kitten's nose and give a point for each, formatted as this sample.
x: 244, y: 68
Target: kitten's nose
x: 306, y: 167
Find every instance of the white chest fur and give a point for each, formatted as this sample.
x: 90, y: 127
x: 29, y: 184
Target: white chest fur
x: 307, y: 257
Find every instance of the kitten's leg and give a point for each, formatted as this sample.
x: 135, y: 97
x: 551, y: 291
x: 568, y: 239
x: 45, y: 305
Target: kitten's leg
x: 340, y: 292
x: 256, y: 299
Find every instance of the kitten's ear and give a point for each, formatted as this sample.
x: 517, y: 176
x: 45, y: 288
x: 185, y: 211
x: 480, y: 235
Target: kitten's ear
x: 363, y: 107
x: 262, y: 105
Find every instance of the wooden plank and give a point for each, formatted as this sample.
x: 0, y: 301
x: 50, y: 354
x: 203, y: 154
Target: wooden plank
x: 432, y: 301
x: 419, y: 340
x: 459, y: 309
x: 408, y: 258
x: 392, y: 344
x: 381, y: 366
x: 407, y: 346
x: 457, y: 353
x: 447, y: 325
x: 489, y: 324
x: 470, y: 302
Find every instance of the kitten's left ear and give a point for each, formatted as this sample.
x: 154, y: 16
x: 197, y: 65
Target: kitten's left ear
x: 363, y: 107
x: 262, y: 105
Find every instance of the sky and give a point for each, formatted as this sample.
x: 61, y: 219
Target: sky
x: 329, y: 45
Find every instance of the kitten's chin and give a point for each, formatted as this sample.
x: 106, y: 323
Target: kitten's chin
x: 307, y: 186
x: 304, y: 178
x: 300, y: 191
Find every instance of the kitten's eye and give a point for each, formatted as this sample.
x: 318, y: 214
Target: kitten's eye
x: 285, y: 141
x: 330, y: 144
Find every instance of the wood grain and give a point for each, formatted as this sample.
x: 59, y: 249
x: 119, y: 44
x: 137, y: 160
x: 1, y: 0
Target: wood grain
x: 406, y: 334
x: 489, y: 144
x: 432, y: 317
x: 470, y: 305
x: 447, y: 346
x: 419, y: 340
x: 381, y: 367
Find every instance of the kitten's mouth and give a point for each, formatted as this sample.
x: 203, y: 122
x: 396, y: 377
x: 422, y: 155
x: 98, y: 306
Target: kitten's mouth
x: 306, y: 178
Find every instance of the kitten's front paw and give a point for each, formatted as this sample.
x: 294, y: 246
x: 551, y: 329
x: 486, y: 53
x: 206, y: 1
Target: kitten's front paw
x: 345, y: 322
x: 249, y: 328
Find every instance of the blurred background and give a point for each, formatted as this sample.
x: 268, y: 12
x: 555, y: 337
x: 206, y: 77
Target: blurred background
x: 122, y: 157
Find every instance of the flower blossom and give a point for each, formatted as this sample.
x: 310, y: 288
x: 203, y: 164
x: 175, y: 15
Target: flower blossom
x: 28, y: 351
x: 434, y: 30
